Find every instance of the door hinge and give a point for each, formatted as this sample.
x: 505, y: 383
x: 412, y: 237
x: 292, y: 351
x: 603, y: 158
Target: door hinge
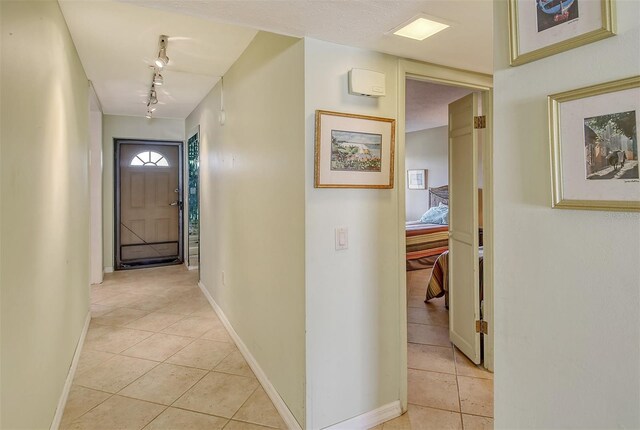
x: 482, y: 327
x: 480, y: 121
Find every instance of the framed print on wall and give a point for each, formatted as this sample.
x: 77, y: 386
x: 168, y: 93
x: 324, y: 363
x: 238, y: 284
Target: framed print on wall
x: 417, y: 179
x: 353, y: 151
x: 594, y: 147
x: 540, y: 28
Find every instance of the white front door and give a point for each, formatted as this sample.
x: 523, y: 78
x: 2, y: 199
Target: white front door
x: 464, y: 292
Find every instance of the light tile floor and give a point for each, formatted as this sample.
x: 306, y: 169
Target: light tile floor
x: 156, y: 357
x: 446, y: 390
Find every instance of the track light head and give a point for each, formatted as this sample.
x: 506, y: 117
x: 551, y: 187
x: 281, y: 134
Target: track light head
x: 162, y: 59
x: 157, y: 78
x: 153, y: 97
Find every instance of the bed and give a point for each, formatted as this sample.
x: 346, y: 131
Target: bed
x: 425, y: 242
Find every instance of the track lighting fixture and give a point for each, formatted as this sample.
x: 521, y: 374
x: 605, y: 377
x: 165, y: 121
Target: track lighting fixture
x: 153, y: 97
x: 157, y: 78
x: 162, y: 59
x: 150, y: 110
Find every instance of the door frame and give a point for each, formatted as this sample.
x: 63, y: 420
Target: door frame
x: 195, y: 131
x: 460, y: 78
x: 96, y: 187
x: 117, y: 142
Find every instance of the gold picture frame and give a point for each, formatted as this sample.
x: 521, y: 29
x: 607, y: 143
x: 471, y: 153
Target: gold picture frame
x: 354, y: 151
x: 594, y: 147
x: 528, y: 44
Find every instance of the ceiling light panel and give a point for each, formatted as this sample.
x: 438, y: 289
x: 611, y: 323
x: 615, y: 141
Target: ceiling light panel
x: 420, y: 28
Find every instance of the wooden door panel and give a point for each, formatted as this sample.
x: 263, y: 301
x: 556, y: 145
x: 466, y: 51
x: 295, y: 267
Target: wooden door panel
x: 133, y: 231
x: 464, y: 294
x: 462, y: 306
x: 166, y: 249
x: 461, y: 220
x: 162, y: 233
x: 162, y: 198
x: 136, y: 192
x: 146, y: 213
x: 134, y: 252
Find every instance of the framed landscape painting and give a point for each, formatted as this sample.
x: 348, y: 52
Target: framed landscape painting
x: 594, y: 147
x: 353, y: 151
x: 540, y: 28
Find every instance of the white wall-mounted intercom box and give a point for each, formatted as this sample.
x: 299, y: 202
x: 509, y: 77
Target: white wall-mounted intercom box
x: 366, y: 83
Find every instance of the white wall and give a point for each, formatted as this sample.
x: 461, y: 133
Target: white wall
x: 352, y: 309
x: 426, y: 149
x: 567, y: 282
x: 44, y: 281
x: 127, y: 127
x: 252, y: 207
x: 1, y: 211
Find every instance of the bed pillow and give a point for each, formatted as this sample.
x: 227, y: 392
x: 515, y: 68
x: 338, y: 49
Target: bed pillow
x: 436, y: 215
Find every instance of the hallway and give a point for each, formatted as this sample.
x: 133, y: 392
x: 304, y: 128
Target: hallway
x: 446, y: 390
x: 157, y: 357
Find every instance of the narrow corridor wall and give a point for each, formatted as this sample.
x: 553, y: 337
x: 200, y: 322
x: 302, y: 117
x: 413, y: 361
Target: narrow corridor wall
x: 44, y: 227
x: 252, y: 175
x: 352, y: 302
x: 567, y: 282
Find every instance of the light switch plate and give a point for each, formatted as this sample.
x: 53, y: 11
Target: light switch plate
x: 342, y: 238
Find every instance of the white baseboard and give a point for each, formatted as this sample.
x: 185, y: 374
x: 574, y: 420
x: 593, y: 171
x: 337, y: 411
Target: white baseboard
x: 280, y: 405
x: 108, y: 269
x: 192, y: 267
x: 371, y: 418
x: 57, y: 418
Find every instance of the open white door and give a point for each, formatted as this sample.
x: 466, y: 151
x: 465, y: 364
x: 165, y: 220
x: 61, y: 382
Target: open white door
x: 464, y: 294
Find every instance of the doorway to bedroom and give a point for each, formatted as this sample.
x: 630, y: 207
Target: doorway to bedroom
x: 441, y: 154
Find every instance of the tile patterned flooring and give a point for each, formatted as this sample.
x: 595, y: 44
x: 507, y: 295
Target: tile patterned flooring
x: 446, y: 390
x: 156, y: 357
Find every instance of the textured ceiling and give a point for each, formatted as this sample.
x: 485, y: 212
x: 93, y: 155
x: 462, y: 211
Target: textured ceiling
x: 467, y: 44
x: 117, y: 42
x: 427, y: 104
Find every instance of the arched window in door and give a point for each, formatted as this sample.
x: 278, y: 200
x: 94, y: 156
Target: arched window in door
x: 149, y: 159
